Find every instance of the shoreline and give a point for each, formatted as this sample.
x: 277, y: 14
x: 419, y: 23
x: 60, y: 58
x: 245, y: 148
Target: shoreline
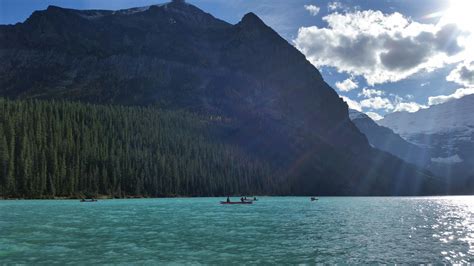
x: 191, y: 197
x: 108, y: 197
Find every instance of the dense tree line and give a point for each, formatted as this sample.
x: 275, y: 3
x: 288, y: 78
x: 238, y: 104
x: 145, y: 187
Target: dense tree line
x: 65, y: 149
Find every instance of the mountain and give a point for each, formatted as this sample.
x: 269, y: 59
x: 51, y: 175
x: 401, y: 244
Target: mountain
x: 447, y: 132
x: 175, y: 57
x: 385, y: 139
x: 172, y: 55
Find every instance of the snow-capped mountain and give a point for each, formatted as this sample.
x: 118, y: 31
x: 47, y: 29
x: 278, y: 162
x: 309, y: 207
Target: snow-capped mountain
x: 452, y: 116
x: 446, y: 130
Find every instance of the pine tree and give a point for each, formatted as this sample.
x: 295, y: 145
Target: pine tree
x: 4, y: 159
x: 50, y: 149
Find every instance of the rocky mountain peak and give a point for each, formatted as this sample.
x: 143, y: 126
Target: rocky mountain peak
x: 251, y: 22
x: 251, y: 18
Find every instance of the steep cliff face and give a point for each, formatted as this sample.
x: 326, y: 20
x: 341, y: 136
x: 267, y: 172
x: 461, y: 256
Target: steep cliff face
x: 176, y: 56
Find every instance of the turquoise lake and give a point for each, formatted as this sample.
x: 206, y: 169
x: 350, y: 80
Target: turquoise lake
x: 283, y: 230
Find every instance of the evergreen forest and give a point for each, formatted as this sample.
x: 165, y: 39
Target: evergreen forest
x: 65, y: 149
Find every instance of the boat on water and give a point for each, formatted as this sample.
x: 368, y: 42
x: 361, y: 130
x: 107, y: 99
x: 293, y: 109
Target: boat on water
x: 243, y: 200
x: 236, y: 202
x: 314, y: 198
x: 88, y: 200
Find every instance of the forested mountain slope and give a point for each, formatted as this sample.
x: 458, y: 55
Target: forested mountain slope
x: 65, y: 149
x: 61, y: 149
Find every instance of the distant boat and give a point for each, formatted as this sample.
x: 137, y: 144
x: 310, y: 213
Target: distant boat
x: 314, y: 198
x: 88, y: 200
x: 237, y: 202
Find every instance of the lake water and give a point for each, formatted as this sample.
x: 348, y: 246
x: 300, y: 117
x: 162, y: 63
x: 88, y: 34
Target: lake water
x: 273, y: 230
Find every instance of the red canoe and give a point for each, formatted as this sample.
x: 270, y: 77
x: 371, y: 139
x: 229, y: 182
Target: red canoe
x: 236, y: 202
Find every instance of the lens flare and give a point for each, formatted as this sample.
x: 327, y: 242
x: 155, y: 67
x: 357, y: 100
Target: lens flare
x: 460, y: 13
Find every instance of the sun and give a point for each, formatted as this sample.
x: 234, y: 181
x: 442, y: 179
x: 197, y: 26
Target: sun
x: 460, y: 12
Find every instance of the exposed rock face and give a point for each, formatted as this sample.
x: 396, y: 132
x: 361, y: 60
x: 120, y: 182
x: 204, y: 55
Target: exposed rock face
x: 178, y: 57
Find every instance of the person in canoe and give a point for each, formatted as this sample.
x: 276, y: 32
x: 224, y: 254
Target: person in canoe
x: 242, y: 199
x: 228, y: 199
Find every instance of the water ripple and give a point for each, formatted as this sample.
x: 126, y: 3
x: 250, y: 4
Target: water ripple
x: 274, y: 230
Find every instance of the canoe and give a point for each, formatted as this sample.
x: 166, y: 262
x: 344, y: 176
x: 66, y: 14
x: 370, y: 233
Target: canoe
x: 236, y: 202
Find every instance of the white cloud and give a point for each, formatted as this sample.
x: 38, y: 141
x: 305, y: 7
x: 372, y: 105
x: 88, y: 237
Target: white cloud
x: 380, y: 47
x: 463, y: 74
x: 377, y: 103
x: 347, y: 85
x: 368, y: 93
x: 374, y: 116
x: 333, y: 6
x: 448, y: 160
x: 459, y: 93
x: 312, y: 9
x: 374, y: 102
x: 352, y: 104
x: 402, y: 106
x: 410, y: 107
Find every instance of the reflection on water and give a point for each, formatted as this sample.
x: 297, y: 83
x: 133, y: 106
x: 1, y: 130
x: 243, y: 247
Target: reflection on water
x: 273, y: 230
x: 454, y: 223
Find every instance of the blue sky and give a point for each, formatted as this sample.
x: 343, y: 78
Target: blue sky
x: 380, y: 55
